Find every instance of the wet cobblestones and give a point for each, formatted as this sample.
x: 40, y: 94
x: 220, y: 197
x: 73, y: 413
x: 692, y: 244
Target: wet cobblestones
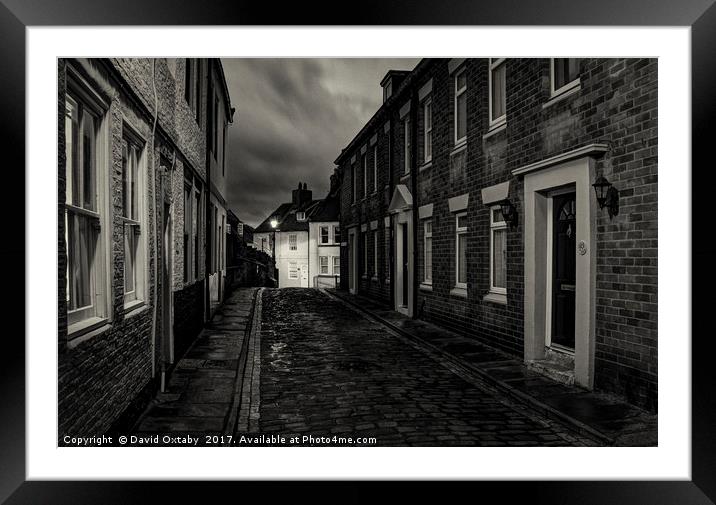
x: 326, y: 370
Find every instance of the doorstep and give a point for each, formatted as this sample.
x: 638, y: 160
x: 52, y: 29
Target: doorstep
x: 543, y: 386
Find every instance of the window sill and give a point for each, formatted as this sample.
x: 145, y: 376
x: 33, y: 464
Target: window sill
x: 134, y: 307
x: 84, y: 330
x: 374, y: 278
x: 561, y: 95
x: 498, y: 298
x: 459, y: 148
x: 494, y: 130
x: 426, y: 165
x: 426, y: 287
x: 459, y: 292
x: 405, y: 177
x: 387, y: 282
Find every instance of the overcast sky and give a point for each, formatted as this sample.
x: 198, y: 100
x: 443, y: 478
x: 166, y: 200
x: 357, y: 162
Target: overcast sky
x: 293, y: 117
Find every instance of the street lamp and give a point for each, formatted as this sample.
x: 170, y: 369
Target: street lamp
x: 274, y: 225
x: 607, y: 196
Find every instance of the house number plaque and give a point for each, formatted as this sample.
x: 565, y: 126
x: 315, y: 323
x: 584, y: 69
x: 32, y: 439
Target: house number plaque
x: 582, y: 247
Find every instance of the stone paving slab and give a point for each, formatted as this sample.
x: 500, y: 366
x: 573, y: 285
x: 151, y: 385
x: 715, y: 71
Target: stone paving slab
x: 199, y: 395
x: 604, y: 416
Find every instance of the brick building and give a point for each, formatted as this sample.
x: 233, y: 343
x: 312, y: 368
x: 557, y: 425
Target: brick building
x: 132, y: 233
x: 468, y: 200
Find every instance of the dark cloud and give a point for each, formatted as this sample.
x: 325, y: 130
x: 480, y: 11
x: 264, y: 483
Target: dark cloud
x: 293, y: 117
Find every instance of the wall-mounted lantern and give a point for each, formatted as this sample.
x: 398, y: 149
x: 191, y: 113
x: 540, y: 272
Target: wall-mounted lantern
x: 509, y: 213
x: 607, y: 195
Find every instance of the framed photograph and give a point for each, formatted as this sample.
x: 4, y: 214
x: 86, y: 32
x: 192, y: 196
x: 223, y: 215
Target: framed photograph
x: 412, y: 248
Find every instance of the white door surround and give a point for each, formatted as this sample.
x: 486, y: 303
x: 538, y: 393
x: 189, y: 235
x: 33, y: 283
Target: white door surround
x: 401, y: 305
x: 401, y: 205
x: 540, y: 182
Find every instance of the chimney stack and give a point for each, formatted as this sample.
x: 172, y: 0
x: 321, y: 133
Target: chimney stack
x: 302, y: 195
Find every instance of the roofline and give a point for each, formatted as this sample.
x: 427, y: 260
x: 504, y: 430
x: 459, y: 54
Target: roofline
x: 412, y: 75
x: 390, y: 73
x: 225, y: 87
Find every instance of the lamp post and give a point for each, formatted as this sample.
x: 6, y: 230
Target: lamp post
x: 274, y: 225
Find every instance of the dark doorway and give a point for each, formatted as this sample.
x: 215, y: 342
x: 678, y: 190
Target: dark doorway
x: 404, y: 245
x: 564, y: 270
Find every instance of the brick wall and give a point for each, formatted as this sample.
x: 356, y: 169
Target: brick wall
x: 105, y: 377
x: 616, y: 105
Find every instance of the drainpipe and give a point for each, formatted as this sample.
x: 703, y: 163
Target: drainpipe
x: 415, y: 113
x: 207, y: 205
x: 162, y: 354
x: 391, y: 231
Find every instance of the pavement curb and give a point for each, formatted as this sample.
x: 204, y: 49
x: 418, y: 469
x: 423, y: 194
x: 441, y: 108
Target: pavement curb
x: 231, y: 422
x: 247, y: 394
x: 574, y: 424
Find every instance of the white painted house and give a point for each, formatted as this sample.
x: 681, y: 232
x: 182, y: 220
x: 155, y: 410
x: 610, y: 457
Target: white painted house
x: 304, y: 236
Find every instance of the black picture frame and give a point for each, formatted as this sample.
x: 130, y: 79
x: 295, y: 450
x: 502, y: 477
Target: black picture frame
x: 700, y: 15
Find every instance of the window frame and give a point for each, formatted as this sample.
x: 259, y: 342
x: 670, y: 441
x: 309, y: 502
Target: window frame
x: 427, y: 130
x: 494, y: 64
x: 375, y: 254
x: 364, y: 164
x: 320, y: 265
x: 99, y: 312
x: 293, y: 237
x: 134, y: 224
x: 364, y: 241
x: 458, y: 92
x: 496, y: 226
x: 575, y: 83
x: 321, y: 228
x: 375, y: 168
x: 336, y: 271
x: 460, y: 231
x: 427, y: 223
x: 354, y: 188
x: 336, y: 234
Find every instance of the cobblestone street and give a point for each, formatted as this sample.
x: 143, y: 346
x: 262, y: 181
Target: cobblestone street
x: 326, y: 370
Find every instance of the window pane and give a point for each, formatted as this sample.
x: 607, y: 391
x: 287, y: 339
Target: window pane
x: 130, y: 243
x: 428, y: 258
x: 497, y: 216
x: 125, y: 179
x: 499, y: 258
x: 462, y: 258
x: 71, y: 145
x: 565, y: 71
x: 195, y: 232
x: 498, y: 92
x: 89, y: 200
x: 461, y: 80
x: 462, y: 221
x: 133, y: 169
x: 375, y: 168
x: 337, y: 235
x: 82, y: 240
x: 336, y: 265
x: 461, y: 111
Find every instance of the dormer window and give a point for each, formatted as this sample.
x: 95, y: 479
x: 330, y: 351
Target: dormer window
x: 300, y: 216
x: 387, y: 90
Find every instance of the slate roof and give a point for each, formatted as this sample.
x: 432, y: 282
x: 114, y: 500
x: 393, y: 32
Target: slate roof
x: 325, y: 210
